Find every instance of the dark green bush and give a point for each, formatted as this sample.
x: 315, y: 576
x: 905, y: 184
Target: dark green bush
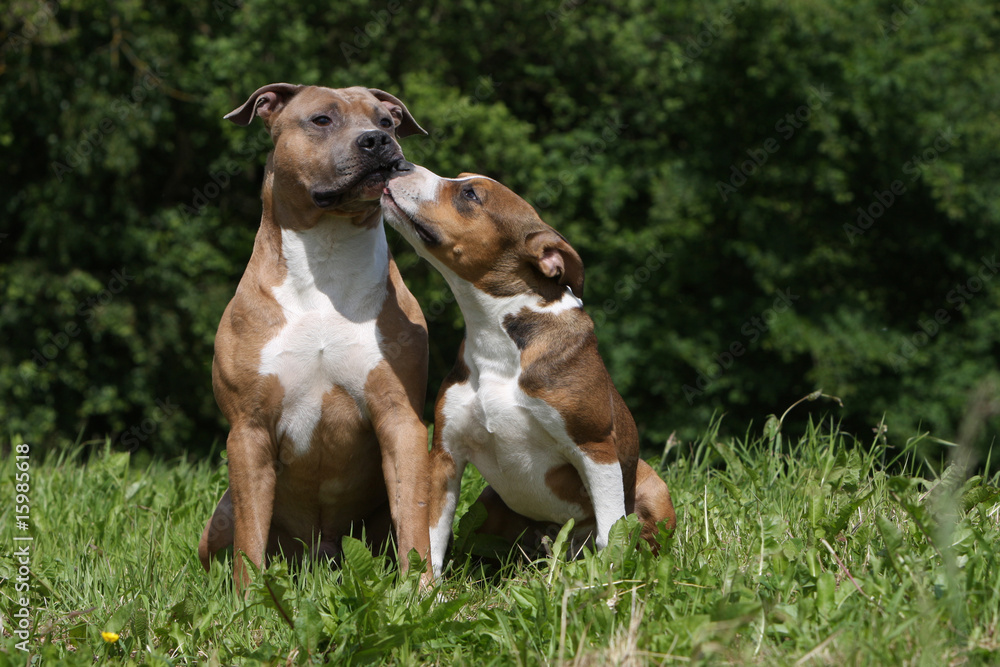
x: 769, y: 198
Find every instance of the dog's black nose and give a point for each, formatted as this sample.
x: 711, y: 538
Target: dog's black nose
x: 374, y: 140
x: 401, y: 167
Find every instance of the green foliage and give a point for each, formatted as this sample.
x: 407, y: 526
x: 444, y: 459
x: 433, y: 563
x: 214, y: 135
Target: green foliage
x: 769, y: 197
x: 827, y: 555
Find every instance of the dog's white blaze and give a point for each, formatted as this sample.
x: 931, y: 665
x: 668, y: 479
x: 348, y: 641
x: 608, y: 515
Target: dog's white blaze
x: 423, y: 185
x: 331, y: 297
x: 469, y: 178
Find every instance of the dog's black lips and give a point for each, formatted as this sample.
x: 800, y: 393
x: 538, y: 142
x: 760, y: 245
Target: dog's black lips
x: 427, y: 236
x: 379, y: 174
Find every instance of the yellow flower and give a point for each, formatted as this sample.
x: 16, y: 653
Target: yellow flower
x: 110, y: 637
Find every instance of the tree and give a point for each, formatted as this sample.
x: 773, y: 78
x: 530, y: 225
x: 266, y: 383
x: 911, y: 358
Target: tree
x: 767, y: 198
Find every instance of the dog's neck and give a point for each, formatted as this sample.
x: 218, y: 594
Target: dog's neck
x: 336, y: 258
x: 486, y: 339
x: 347, y: 264
x: 318, y: 248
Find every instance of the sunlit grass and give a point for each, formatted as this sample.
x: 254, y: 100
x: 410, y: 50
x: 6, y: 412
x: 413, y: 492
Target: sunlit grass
x: 814, y: 550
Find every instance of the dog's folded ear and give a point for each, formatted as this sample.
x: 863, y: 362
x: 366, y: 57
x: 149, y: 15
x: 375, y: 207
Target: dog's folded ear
x: 555, y: 258
x: 265, y: 102
x: 405, y: 124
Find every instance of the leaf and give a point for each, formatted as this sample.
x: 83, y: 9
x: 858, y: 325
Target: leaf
x: 521, y: 599
x: 561, y: 543
x: 467, y: 525
x: 358, y: 558
x: 826, y: 587
x: 134, y: 488
x: 771, y: 427
x: 733, y: 490
x: 812, y: 562
x: 890, y: 535
x: 140, y: 621
x: 272, y: 590
x: 446, y: 610
x: 120, y: 618
x: 376, y: 647
x: 730, y: 457
x: 183, y: 611
x: 308, y: 626
x: 837, y: 524
x: 77, y: 634
x: 817, y: 509
x: 665, y: 575
x: 901, y: 484
x: 978, y: 495
x: 415, y: 562
x: 851, y: 479
x: 730, y: 611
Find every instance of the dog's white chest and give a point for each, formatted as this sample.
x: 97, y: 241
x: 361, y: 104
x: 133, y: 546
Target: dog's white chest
x: 513, y: 439
x: 331, y: 297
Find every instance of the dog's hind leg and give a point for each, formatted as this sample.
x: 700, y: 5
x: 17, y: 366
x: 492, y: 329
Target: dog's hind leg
x: 218, y: 533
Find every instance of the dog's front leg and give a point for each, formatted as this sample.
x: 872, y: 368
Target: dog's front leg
x: 402, y: 438
x: 252, y: 474
x: 607, y: 491
x: 446, y: 484
x: 406, y: 469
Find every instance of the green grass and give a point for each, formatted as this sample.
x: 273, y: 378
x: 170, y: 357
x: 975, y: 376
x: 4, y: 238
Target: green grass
x: 816, y: 551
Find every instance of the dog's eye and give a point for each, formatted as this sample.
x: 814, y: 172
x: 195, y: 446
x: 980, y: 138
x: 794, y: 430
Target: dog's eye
x: 470, y: 194
x: 322, y: 121
x: 386, y: 123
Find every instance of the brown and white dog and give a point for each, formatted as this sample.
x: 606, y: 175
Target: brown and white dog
x: 529, y: 401
x: 321, y: 357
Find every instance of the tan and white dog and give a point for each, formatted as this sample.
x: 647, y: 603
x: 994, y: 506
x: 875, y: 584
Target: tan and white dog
x: 529, y: 401
x: 321, y: 357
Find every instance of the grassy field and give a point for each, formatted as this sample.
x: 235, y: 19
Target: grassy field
x: 793, y: 549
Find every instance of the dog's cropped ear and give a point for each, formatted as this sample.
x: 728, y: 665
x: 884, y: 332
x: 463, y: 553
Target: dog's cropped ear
x: 466, y: 174
x: 555, y: 258
x: 265, y: 102
x: 405, y: 124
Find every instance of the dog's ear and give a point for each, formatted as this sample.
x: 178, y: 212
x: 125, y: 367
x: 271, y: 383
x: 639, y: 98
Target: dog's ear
x: 405, y: 124
x: 265, y: 102
x: 555, y: 258
x: 466, y: 174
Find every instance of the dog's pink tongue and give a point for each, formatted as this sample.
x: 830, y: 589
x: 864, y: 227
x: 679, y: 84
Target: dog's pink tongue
x: 385, y: 191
